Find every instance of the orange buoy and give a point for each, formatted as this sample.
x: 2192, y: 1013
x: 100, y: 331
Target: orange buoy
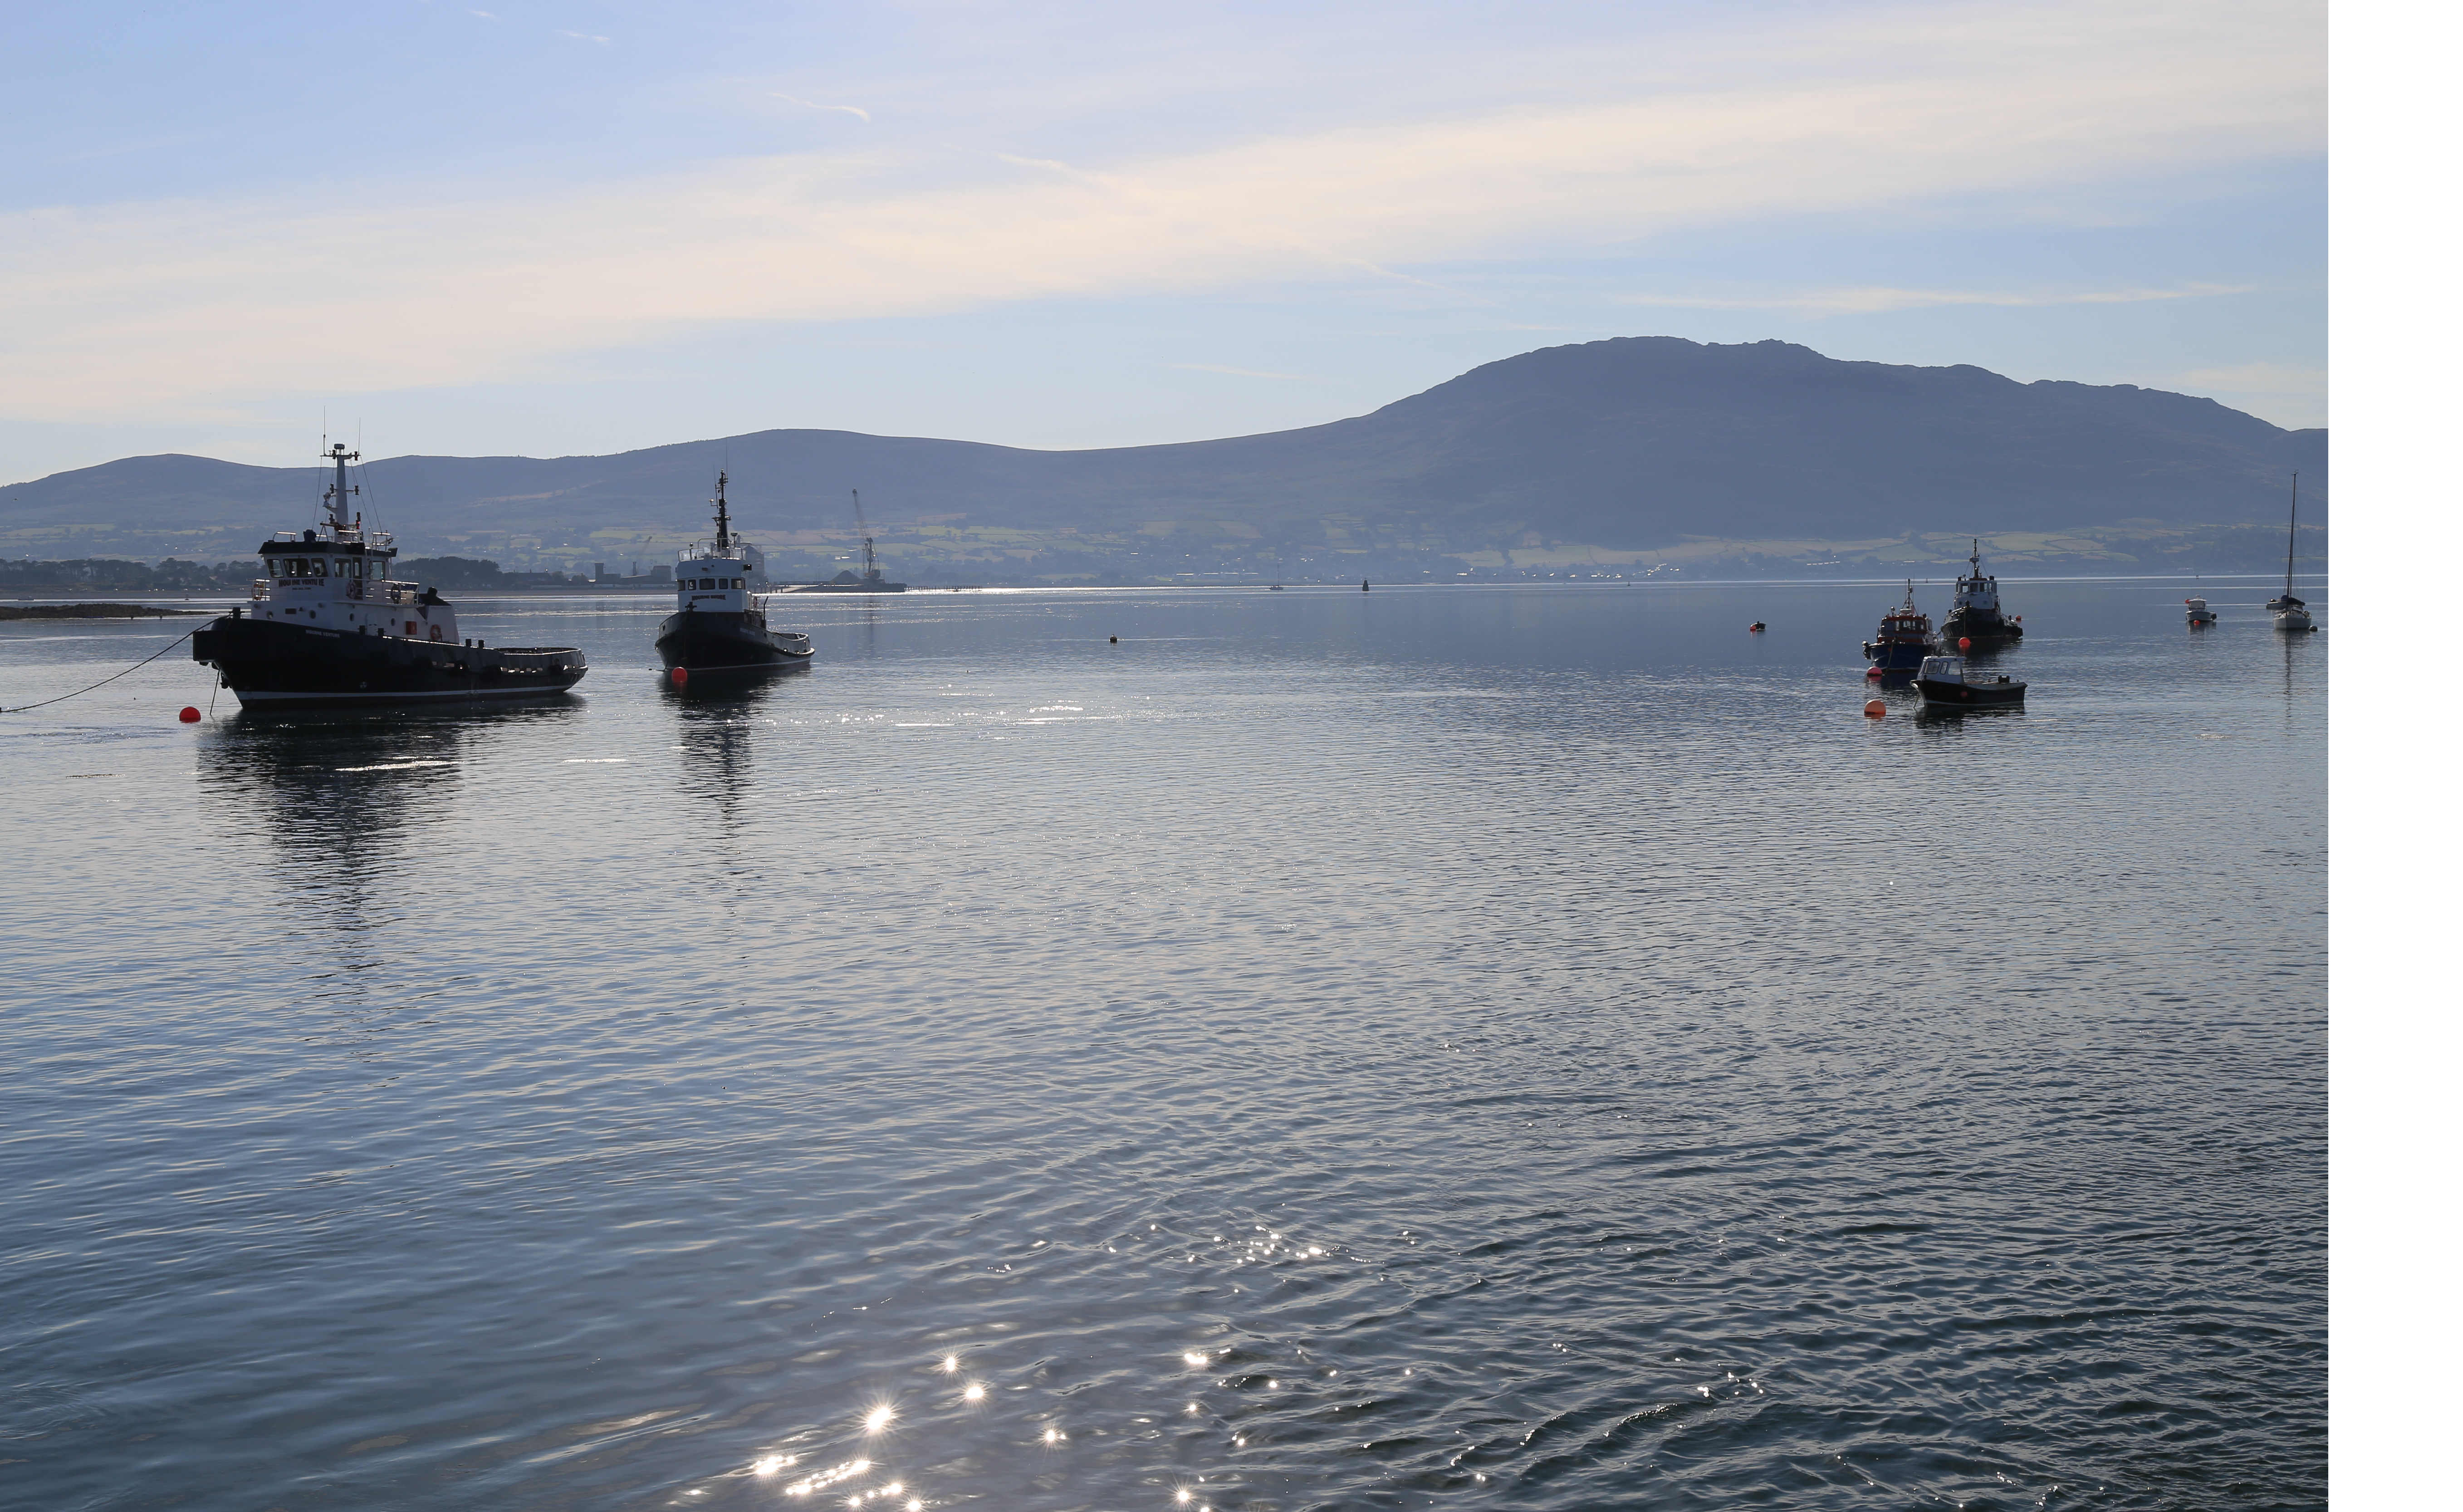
x: 677, y: 677
x: 1964, y: 642
x: 1875, y: 708
x: 190, y: 716
x: 1872, y: 674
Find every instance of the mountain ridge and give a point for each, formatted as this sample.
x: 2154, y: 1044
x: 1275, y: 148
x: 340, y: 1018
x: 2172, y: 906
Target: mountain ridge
x: 1625, y: 443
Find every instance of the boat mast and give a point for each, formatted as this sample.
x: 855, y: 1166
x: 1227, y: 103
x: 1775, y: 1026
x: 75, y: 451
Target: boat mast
x: 721, y: 502
x: 2291, y: 535
x: 866, y: 531
x: 341, y: 488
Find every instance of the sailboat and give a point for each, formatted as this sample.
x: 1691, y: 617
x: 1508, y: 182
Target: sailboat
x: 2290, y: 613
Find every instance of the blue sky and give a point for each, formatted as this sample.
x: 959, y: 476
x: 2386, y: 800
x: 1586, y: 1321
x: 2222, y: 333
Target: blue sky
x: 585, y: 227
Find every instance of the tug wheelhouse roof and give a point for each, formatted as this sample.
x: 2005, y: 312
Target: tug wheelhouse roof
x: 311, y: 548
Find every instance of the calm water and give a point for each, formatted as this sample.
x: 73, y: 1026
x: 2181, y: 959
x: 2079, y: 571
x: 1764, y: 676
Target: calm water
x: 1495, y: 1048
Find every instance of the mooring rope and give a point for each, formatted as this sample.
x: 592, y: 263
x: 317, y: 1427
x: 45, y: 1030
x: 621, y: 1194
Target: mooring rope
x: 112, y: 678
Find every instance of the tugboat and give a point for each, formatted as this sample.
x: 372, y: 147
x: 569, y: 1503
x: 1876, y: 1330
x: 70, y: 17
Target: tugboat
x: 1976, y: 616
x: 720, y: 623
x: 1946, y: 680
x: 1904, y: 641
x: 328, y: 625
x: 2290, y: 613
x: 871, y: 581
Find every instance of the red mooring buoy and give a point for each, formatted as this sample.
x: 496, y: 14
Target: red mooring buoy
x: 1872, y: 674
x: 1875, y: 708
x: 677, y: 677
x: 1964, y: 642
x: 190, y: 716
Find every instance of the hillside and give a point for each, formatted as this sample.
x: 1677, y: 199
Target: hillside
x: 1635, y: 443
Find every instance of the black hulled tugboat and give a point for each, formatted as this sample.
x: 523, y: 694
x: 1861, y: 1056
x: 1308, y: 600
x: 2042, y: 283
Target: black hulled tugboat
x: 328, y: 625
x: 1898, y: 650
x: 1976, y: 616
x: 721, y: 623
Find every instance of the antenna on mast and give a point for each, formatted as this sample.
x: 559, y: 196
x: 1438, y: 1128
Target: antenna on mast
x: 341, y: 489
x: 721, y: 502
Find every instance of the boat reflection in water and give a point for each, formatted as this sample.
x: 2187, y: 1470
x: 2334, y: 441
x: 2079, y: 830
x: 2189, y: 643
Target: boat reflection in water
x: 335, y: 820
x: 718, y: 724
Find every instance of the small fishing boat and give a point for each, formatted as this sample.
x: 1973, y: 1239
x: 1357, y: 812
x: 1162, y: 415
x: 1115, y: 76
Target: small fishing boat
x: 1976, y: 617
x: 2200, y: 616
x: 1905, y: 638
x: 721, y: 623
x: 2290, y: 613
x: 328, y: 625
x: 1947, y: 680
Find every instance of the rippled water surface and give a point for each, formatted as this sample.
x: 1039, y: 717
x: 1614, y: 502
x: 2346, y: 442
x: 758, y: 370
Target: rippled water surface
x: 1512, y: 1048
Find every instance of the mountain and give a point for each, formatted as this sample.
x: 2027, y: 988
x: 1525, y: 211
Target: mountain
x: 1632, y: 443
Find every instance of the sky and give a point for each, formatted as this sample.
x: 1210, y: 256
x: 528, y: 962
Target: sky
x: 587, y: 227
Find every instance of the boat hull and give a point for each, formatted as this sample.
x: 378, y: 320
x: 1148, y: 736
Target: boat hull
x: 268, y: 664
x: 1970, y: 695
x: 700, y: 640
x: 1980, y: 630
x: 1898, y: 658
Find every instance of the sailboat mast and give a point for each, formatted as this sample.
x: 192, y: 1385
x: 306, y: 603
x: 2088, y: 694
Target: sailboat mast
x: 2292, y: 536
x: 864, y: 529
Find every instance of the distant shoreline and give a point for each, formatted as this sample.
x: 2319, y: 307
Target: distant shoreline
x: 93, y: 611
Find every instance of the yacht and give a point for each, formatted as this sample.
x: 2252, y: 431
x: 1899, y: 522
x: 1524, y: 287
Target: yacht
x: 2291, y: 613
x: 722, y: 621
x: 328, y: 624
x: 2200, y: 616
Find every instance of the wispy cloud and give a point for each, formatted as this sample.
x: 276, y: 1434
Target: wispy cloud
x: 485, y: 16
x: 1874, y: 300
x: 1245, y: 372
x: 857, y: 111
x: 169, y: 305
x: 588, y: 36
